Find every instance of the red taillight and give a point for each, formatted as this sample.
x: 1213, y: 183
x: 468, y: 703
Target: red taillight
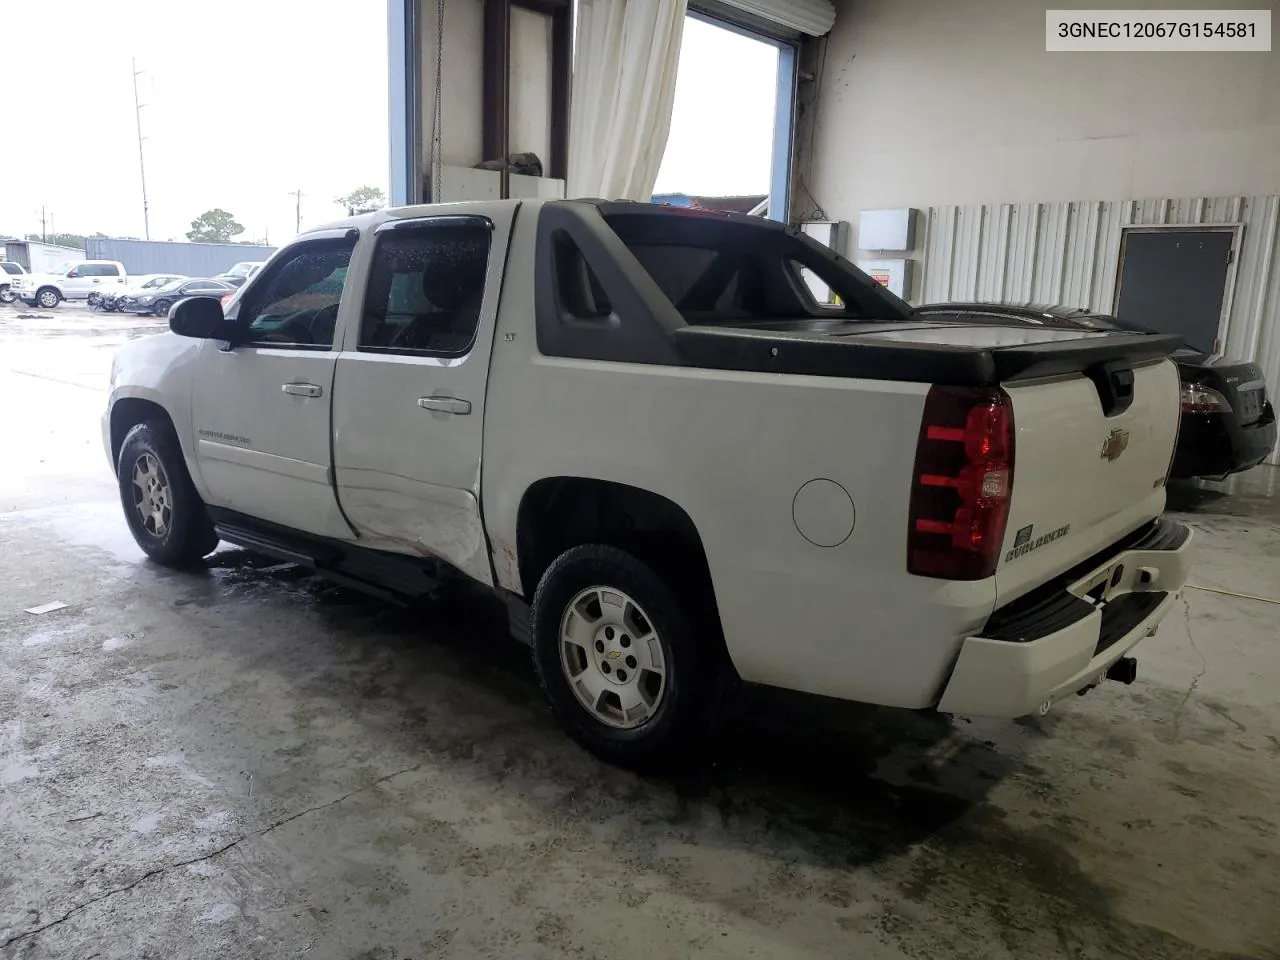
x: 1197, y: 398
x: 962, y: 482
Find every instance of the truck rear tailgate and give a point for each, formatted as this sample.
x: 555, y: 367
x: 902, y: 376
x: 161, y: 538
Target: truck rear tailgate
x: 1083, y: 477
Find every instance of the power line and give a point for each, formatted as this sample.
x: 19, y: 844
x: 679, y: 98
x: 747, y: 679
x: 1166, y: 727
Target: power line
x: 142, y: 166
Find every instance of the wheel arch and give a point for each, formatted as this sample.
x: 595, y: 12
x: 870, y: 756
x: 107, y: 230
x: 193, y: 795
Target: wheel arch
x: 127, y: 413
x: 558, y: 513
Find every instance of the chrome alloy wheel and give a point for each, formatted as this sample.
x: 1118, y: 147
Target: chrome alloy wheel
x: 612, y: 657
x: 152, y: 496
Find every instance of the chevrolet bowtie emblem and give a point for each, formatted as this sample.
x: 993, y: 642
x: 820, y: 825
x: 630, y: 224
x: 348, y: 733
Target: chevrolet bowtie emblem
x: 1115, y: 444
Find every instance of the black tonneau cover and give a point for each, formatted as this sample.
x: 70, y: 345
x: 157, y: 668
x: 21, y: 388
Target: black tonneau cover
x: 851, y: 355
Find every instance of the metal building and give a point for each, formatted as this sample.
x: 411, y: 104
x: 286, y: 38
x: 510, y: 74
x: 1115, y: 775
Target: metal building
x: 164, y: 256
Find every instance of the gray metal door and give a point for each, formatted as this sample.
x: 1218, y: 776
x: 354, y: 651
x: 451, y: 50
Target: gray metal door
x: 1174, y: 281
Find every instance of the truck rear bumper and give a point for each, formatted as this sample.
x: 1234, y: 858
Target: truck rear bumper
x: 1064, y: 636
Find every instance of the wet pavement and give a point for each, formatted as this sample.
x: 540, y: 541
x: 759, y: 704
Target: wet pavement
x: 243, y: 762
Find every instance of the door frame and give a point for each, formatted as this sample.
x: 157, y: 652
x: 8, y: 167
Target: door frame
x: 1236, y: 229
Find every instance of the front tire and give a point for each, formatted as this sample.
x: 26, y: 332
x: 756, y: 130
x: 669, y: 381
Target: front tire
x: 7, y: 296
x: 625, y: 667
x: 48, y: 297
x: 165, y: 514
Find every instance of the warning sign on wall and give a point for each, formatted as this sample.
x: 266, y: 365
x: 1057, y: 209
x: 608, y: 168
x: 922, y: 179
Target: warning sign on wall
x: 895, y: 275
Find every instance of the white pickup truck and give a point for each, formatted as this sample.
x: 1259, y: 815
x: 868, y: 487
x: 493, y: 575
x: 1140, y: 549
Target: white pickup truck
x: 638, y: 421
x: 73, y: 280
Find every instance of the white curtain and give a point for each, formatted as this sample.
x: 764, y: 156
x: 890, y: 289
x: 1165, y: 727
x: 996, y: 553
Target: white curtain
x: 624, y: 83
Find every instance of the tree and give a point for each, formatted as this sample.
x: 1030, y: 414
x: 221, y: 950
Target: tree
x: 62, y: 239
x: 214, y: 226
x: 363, y: 200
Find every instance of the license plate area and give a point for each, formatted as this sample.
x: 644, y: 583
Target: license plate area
x: 1250, y: 401
x: 1101, y: 585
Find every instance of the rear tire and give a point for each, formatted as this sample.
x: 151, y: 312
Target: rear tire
x: 165, y: 514
x: 625, y: 667
x: 48, y: 297
x: 161, y: 309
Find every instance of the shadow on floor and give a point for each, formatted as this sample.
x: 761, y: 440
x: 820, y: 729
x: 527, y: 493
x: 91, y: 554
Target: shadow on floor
x: 807, y: 766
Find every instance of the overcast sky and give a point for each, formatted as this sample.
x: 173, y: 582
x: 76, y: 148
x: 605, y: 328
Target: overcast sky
x: 722, y: 121
x: 249, y: 100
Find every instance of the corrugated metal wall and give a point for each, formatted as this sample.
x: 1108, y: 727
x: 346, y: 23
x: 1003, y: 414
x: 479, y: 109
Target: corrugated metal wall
x: 1069, y: 253
x: 162, y: 256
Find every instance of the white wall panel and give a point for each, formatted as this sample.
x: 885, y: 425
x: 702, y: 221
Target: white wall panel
x: 1069, y: 254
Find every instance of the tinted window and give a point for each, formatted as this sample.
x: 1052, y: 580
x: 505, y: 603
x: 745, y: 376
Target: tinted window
x: 718, y: 270
x: 426, y: 288
x: 203, y: 287
x: 10, y: 267
x: 297, y: 303
x: 99, y: 270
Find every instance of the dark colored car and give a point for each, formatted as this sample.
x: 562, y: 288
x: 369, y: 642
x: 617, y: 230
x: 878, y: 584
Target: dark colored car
x: 237, y: 274
x: 1228, y: 422
x: 159, y: 301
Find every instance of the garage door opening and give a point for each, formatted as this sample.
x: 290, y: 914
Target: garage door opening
x: 730, y: 140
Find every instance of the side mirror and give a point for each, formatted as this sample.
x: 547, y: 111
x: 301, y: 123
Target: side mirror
x: 200, y: 318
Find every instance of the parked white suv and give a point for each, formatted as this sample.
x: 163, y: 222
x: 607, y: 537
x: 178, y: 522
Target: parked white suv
x: 641, y: 424
x: 73, y: 280
x: 8, y: 270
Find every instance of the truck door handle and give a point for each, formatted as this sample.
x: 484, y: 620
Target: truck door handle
x: 302, y: 389
x: 445, y: 405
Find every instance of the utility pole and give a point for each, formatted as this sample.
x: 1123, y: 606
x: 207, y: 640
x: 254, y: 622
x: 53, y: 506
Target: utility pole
x: 44, y: 233
x: 142, y: 166
x: 297, y: 214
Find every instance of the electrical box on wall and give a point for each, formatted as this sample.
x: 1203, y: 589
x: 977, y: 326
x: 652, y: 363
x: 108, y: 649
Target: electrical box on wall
x: 894, y: 274
x: 887, y: 229
x: 829, y: 233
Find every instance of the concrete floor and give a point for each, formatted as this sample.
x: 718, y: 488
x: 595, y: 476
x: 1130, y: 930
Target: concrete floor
x: 244, y: 763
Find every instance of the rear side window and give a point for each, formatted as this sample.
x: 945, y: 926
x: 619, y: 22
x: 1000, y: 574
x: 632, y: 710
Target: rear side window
x: 426, y: 288
x: 99, y: 270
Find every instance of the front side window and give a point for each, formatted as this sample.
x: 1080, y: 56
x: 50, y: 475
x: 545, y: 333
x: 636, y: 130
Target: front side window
x: 426, y: 288
x: 10, y: 267
x: 297, y: 304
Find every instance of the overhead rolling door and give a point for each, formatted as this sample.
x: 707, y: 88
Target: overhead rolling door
x: 794, y: 17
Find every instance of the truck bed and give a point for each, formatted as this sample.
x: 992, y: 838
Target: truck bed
x: 923, y: 352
